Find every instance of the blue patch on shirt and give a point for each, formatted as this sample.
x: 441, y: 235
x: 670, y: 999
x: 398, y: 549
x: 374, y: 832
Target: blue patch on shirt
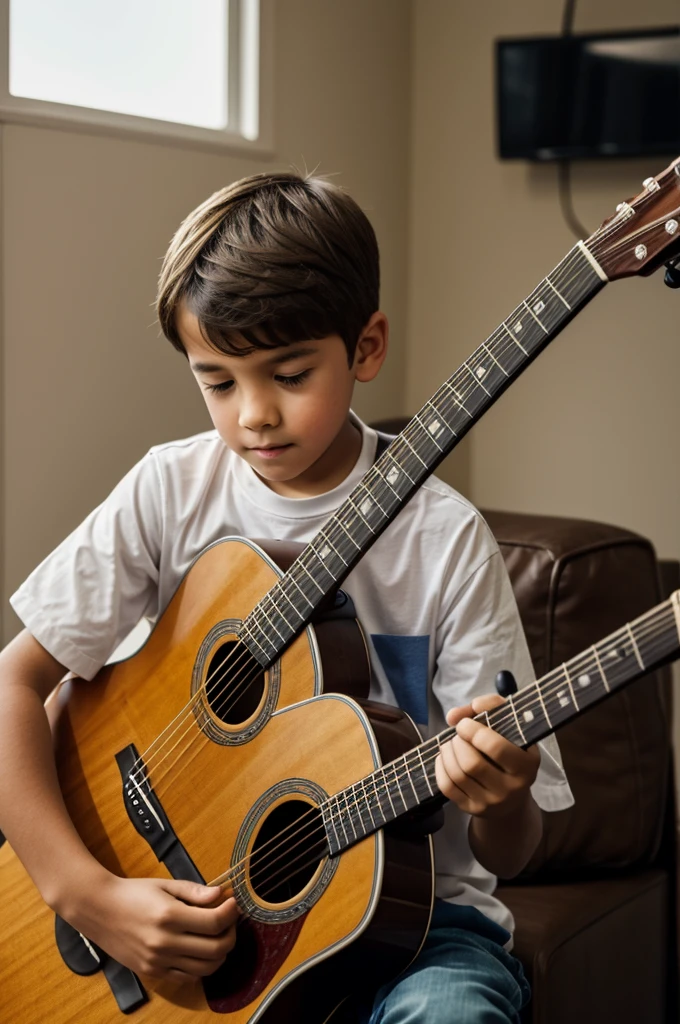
x: 404, y: 659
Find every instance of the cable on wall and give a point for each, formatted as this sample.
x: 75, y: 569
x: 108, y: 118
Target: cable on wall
x: 564, y: 166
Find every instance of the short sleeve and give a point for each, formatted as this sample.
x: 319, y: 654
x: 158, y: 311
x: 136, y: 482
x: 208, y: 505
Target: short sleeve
x: 87, y: 595
x: 479, y: 634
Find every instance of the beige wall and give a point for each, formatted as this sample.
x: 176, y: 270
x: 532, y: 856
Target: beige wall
x: 87, y: 384
x: 591, y: 429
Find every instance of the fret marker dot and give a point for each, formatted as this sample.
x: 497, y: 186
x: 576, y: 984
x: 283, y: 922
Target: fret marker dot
x: 325, y: 551
x: 393, y: 475
x: 366, y: 506
x: 480, y: 371
x: 434, y: 427
x: 562, y: 699
x: 528, y: 716
x: 518, y: 327
x: 584, y: 680
x: 539, y: 306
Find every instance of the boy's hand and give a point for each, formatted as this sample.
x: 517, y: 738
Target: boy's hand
x: 164, y: 928
x: 483, y: 773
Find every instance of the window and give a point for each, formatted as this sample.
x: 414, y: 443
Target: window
x: 189, y: 69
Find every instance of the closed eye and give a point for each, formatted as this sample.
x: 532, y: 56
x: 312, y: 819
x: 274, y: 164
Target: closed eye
x: 220, y: 388
x: 294, y: 379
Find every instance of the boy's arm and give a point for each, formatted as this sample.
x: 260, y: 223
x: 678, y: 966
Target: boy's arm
x: 160, y: 927
x: 489, y: 778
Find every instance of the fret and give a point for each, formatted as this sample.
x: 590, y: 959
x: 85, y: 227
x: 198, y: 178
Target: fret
x: 345, y: 529
x: 531, y: 711
x: 406, y: 441
x: 571, y: 686
x: 369, y: 494
x: 511, y: 702
x: 477, y: 377
x: 269, y: 608
x: 458, y: 399
x: 248, y: 627
x: 546, y: 305
x: 362, y: 513
x: 388, y: 793
x: 635, y: 648
x: 575, y: 278
x: 328, y: 819
x: 512, y: 338
x: 599, y: 665
x: 557, y: 697
x: 373, y: 492
x: 367, y: 803
x: 395, y: 473
x: 260, y: 609
x: 300, y: 563
x: 560, y: 297
x: 326, y: 539
x: 425, y: 438
x: 318, y: 568
x: 509, y: 355
x: 424, y: 770
x: 470, y: 390
x: 395, y: 781
x: 531, y: 312
x: 378, y: 798
x: 487, y: 349
x: 382, y: 476
x: 487, y: 371
x: 526, y: 328
x: 436, y: 423
x: 340, y: 815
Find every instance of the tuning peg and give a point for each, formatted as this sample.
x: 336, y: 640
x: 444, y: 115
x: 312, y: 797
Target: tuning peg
x: 505, y: 683
x: 672, y: 275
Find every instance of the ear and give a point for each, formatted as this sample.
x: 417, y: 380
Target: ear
x: 371, y: 348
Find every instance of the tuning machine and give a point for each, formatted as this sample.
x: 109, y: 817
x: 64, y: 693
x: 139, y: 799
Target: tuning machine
x: 672, y: 275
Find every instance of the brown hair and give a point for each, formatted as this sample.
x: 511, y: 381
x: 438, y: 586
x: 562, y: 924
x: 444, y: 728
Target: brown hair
x: 270, y: 260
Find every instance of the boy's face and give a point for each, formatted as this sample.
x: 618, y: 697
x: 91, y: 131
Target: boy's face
x: 285, y: 410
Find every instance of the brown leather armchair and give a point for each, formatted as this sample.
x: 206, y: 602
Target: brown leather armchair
x: 595, y: 911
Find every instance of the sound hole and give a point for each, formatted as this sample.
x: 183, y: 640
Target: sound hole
x: 234, y: 683
x: 289, y: 846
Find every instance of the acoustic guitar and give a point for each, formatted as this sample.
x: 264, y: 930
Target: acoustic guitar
x: 182, y: 784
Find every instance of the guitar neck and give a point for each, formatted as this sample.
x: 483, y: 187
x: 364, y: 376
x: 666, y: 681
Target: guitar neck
x: 532, y: 713
x: 412, y: 456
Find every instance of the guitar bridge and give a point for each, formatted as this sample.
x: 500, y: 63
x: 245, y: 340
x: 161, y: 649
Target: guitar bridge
x: 146, y: 813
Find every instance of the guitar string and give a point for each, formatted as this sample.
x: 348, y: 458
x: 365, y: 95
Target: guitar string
x: 348, y: 810
x: 433, y: 744
x: 414, y: 758
x: 476, y: 354
x: 471, y: 386
x: 596, y: 240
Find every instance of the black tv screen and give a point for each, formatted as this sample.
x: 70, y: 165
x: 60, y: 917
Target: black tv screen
x: 583, y: 96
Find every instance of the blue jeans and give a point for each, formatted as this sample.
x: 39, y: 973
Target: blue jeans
x: 462, y: 975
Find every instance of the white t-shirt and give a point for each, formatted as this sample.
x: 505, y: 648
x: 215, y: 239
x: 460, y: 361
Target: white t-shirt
x: 432, y: 595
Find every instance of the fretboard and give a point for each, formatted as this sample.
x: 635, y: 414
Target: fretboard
x: 412, y: 456
x: 532, y: 713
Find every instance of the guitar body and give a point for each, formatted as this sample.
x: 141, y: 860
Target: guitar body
x: 374, y: 900
x: 147, y: 701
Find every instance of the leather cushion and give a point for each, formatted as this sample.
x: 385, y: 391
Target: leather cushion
x: 575, y: 582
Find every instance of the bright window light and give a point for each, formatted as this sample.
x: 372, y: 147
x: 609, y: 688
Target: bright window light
x: 163, y: 59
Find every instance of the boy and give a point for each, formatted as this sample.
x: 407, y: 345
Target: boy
x: 270, y: 290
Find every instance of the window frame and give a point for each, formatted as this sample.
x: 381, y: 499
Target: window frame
x: 250, y: 63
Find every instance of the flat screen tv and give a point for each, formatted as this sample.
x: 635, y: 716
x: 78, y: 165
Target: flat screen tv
x: 584, y: 96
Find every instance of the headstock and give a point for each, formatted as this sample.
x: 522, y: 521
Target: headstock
x: 644, y: 232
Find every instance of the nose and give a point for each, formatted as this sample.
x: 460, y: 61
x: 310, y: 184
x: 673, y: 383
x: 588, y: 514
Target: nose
x: 258, y: 410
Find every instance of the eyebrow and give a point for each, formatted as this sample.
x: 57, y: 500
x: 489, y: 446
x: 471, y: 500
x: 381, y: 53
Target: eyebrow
x: 276, y: 360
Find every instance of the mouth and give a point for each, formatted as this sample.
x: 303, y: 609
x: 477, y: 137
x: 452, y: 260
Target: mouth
x: 270, y: 451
